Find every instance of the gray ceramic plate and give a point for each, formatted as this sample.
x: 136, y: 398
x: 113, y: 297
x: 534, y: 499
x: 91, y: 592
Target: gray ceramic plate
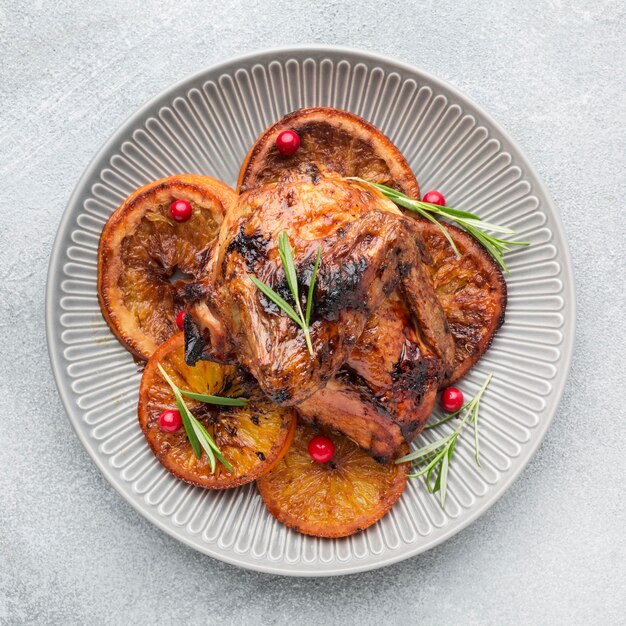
x: 206, y: 124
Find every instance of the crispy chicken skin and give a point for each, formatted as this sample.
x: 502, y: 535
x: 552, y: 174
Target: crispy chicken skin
x: 380, y: 340
x: 367, y: 250
x: 385, y: 392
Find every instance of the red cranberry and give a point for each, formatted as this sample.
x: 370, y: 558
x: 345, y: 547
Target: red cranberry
x: 321, y: 449
x: 180, y: 210
x: 452, y: 399
x: 180, y: 319
x: 287, y: 142
x: 170, y: 421
x: 435, y: 197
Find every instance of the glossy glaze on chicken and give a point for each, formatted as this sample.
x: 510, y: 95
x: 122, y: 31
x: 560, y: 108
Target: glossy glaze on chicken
x: 381, y: 344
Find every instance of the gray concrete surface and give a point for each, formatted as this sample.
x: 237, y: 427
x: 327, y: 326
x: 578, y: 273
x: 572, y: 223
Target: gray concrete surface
x: 552, y: 550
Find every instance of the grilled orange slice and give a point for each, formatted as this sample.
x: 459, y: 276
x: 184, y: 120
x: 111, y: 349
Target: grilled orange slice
x: 335, y: 140
x: 334, y: 499
x: 142, y: 249
x: 252, y: 438
x: 471, y: 289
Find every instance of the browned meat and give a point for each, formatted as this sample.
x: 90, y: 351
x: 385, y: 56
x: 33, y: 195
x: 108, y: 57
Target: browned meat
x: 471, y: 288
x: 368, y: 249
x: 384, y: 393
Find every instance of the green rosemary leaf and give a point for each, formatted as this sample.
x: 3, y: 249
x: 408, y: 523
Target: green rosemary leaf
x: 443, y: 479
x: 492, y: 245
x: 451, y: 448
x: 185, y: 414
x: 444, y: 230
x: 424, y: 451
x: 210, y: 442
x: 168, y: 380
x: 429, y: 466
x: 469, y: 222
x: 438, y: 454
x: 476, y: 455
x: 481, y: 224
x: 198, y: 436
x: 309, y: 298
x: 410, y: 204
x: 433, y: 488
x: 447, y: 418
x: 286, y: 256
x: 276, y: 299
x: 197, y: 428
x: 450, y: 212
x: 474, y: 418
x: 209, y: 399
x: 289, y: 267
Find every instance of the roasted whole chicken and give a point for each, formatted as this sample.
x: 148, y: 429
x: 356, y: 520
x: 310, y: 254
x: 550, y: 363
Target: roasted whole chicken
x: 381, y: 345
x: 327, y: 319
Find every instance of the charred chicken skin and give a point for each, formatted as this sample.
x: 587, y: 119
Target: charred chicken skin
x: 371, y: 376
x: 470, y: 288
x: 384, y: 393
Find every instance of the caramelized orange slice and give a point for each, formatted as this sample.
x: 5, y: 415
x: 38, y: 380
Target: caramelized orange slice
x: 334, y: 499
x: 471, y: 289
x: 252, y: 438
x: 335, y: 140
x: 142, y: 248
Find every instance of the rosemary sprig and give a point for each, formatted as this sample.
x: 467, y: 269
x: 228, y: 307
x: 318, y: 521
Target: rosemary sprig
x: 469, y: 222
x: 209, y: 399
x: 289, y: 267
x: 436, y: 456
x: 199, y: 437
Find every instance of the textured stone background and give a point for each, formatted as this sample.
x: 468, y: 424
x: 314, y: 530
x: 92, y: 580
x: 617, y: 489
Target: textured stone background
x: 552, y: 550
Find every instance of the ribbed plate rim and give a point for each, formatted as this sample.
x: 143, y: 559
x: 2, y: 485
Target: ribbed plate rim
x: 166, y: 96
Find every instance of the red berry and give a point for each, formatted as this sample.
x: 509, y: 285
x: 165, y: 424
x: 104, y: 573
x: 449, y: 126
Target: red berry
x: 452, y: 399
x: 180, y: 210
x: 180, y: 319
x: 287, y: 142
x: 170, y: 421
x: 321, y: 449
x: 435, y: 197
